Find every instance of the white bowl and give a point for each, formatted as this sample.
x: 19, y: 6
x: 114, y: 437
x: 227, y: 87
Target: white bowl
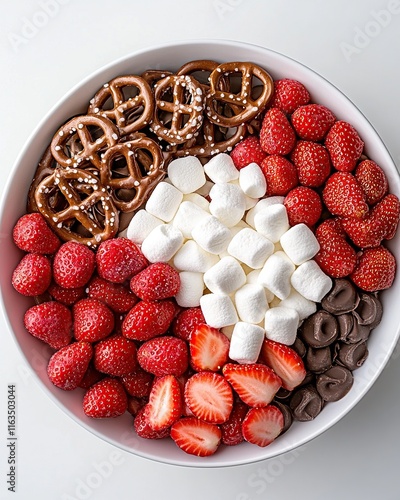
x: 120, y: 431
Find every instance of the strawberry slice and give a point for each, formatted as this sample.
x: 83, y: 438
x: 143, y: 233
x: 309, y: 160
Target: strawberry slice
x: 209, y: 348
x: 143, y: 429
x: 196, y: 437
x: 255, y: 384
x: 165, y: 403
x: 262, y: 425
x: 232, y: 433
x: 209, y: 396
x: 285, y: 362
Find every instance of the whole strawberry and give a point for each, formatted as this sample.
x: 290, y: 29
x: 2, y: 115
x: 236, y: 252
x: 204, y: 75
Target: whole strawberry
x: 32, y: 234
x: 105, y: 399
x: 116, y: 296
x: 68, y: 366
x: 277, y: 136
x: 93, y: 320
x: 344, y: 145
x: 50, y: 322
x: 138, y: 383
x: 344, y: 196
x: 312, y: 163
x: 232, y: 429
x: 164, y: 356
x: 32, y: 276
x: 372, y: 179
x: 158, y: 281
x: 248, y: 151
x: 148, y: 319
x: 303, y: 205
x: 67, y: 296
x: 289, y: 95
x: 375, y: 270
x: 186, y: 322
x: 73, y: 265
x: 312, y: 122
x: 116, y: 356
x: 280, y: 174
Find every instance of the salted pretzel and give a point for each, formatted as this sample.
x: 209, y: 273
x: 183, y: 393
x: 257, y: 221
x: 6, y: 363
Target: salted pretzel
x: 184, y: 107
x: 46, y: 167
x: 82, y: 139
x: 203, y: 68
x: 87, y: 213
x: 243, y: 99
x: 129, y: 112
x: 132, y: 170
x: 152, y: 76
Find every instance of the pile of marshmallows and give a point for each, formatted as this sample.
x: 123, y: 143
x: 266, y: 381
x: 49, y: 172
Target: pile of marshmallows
x: 238, y: 258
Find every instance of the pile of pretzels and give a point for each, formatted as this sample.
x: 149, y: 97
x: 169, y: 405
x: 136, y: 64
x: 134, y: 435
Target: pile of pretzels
x: 105, y: 163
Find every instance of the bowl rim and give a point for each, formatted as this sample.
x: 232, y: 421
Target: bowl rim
x: 28, y: 144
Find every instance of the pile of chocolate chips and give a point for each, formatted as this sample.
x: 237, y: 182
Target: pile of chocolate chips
x: 332, y: 343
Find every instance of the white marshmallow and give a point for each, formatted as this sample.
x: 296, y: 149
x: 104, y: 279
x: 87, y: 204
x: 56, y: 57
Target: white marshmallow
x: 252, y: 181
x: 252, y: 279
x: 250, y: 202
x: 191, y: 289
x: 141, y: 225
x: 164, y: 201
x: 276, y: 274
x: 264, y: 203
x: 212, y: 235
x: 188, y: 216
x: 205, y: 189
x: 191, y: 257
x: 303, y: 306
x: 218, y: 310
x: 186, y: 174
x: 198, y: 200
x: 162, y: 243
x: 310, y: 281
x: 227, y: 203
x: 221, y: 169
x: 281, y: 324
x: 251, y: 303
x: 299, y: 243
x: 246, y: 342
x: 226, y: 276
x: 272, y: 222
x: 250, y: 247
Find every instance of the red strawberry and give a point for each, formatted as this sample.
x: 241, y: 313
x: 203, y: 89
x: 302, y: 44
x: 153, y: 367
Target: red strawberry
x: 91, y: 377
x: 138, y: 383
x: 158, y: 281
x: 285, y: 362
x: 32, y: 276
x: 373, y: 181
x: 50, y: 322
x: 381, y: 223
x: 336, y: 256
x: 186, y: 321
x: 232, y: 429
x: 303, y: 205
x: 344, y: 196
x: 165, y: 403
x: 67, y: 296
x: 289, y: 95
x: 118, y: 259
x: 375, y: 270
x: 67, y: 366
x: 143, y: 429
x: 32, y: 234
x: 248, y: 151
x: 312, y: 122
x: 280, y: 174
x: 93, y: 320
x: 277, y: 136
x: 344, y: 145
x: 115, y: 356
x: 312, y: 163
x: 73, y: 265
x: 164, y: 356
x: 115, y: 295
x: 135, y: 405
x: 148, y: 319
x: 209, y: 348
x: 209, y: 396
x: 105, y: 399
x: 262, y: 425
x: 196, y: 437
x: 255, y: 384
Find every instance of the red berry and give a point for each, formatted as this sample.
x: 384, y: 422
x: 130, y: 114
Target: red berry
x: 186, y: 321
x: 93, y: 320
x: 280, y: 174
x: 115, y: 356
x: 196, y: 437
x: 116, y: 296
x: 164, y: 356
x: 148, y: 319
x: 32, y: 276
x: 232, y: 429
x: 312, y: 163
x: 67, y: 366
x: 143, y: 428
x: 165, y: 403
x: 118, y: 259
x: 105, y: 399
x: 138, y: 383
x: 375, y: 269
x: 277, y: 136
x: 373, y: 181
x: 135, y: 405
x: 67, y: 296
x: 289, y: 95
x: 303, y: 205
x: 209, y: 348
x: 344, y: 196
x: 248, y: 151
x: 158, y: 281
x: 344, y: 145
x: 261, y: 426
x: 73, y: 265
x: 312, y: 122
x: 32, y: 234
x: 90, y: 377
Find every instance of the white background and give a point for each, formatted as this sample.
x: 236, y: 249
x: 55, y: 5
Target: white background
x: 355, y: 45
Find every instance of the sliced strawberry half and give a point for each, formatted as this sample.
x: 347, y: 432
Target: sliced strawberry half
x: 209, y: 348
x: 209, y: 396
x: 262, y: 425
x: 165, y: 403
x: 285, y: 362
x: 255, y: 384
x: 196, y: 437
